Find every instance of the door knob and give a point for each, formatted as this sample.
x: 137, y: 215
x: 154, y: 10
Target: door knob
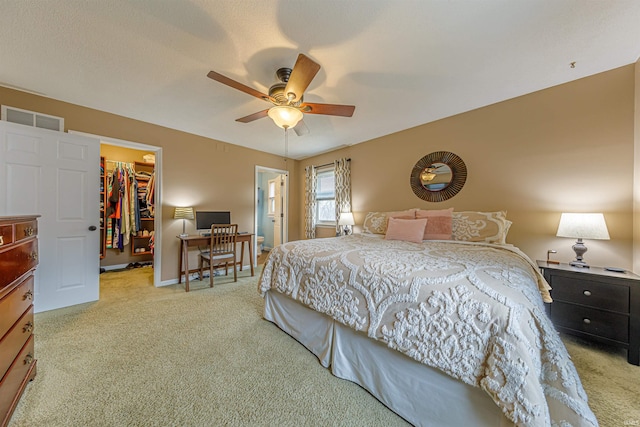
x: 92, y: 228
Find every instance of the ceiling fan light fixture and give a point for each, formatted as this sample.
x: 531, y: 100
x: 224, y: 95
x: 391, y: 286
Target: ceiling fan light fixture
x: 427, y: 175
x: 285, y: 116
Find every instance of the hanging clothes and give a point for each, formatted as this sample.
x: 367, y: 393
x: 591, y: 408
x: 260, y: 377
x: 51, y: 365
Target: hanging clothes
x: 122, y: 216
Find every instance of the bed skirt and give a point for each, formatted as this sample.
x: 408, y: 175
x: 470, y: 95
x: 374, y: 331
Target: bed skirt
x: 422, y: 395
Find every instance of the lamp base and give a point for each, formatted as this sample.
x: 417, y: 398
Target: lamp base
x: 580, y: 249
x: 183, y: 235
x: 346, y: 230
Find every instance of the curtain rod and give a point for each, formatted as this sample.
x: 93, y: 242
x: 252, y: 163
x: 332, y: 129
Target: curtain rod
x: 328, y: 164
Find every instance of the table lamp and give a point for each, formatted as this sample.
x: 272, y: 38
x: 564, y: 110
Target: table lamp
x: 183, y: 213
x: 346, y: 220
x: 582, y: 226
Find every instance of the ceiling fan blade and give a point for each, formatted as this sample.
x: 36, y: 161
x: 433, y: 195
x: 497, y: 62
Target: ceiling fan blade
x: 237, y: 85
x: 254, y: 116
x: 303, y: 72
x: 301, y: 128
x: 328, y: 109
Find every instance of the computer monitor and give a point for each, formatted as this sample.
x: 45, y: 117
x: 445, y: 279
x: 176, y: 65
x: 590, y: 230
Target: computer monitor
x: 204, y: 219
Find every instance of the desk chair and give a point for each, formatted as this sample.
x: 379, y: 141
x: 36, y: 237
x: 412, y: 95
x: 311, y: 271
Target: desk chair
x: 222, y: 251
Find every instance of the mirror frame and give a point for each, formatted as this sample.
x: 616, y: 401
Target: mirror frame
x: 458, y: 171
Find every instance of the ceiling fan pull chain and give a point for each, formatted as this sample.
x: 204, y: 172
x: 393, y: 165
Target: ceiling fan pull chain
x: 286, y: 144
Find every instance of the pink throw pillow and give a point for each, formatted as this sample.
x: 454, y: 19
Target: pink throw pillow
x: 440, y: 225
x: 410, y: 230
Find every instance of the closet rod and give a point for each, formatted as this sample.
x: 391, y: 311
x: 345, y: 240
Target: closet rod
x: 118, y: 161
x: 114, y: 163
x: 328, y: 164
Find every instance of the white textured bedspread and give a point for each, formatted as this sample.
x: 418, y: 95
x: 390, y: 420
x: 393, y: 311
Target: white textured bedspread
x: 472, y: 310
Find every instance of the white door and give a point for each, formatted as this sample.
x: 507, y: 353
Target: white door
x: 284, y: 223
x: 276, y: 207
x: 55, y: 175
x: 280, y: 211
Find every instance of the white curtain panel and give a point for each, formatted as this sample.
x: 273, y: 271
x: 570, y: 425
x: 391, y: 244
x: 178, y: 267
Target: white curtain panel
x: 310, y: 202
x: 343, y: 188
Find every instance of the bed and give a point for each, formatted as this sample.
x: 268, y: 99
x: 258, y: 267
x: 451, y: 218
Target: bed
x: 444, y: 333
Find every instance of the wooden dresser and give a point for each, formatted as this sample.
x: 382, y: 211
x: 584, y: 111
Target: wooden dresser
x: 18, y: 260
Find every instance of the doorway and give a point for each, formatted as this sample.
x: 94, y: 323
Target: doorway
x: 110, y: 144
x: 271, y: 210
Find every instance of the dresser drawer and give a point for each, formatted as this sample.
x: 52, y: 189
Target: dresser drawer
x: 17, y: 260
x: 17, y: 302
x: 6, y: 235
x: 12, y: 384
x: 587, y: 292
x: 13, y: 341
x: 26, y: 229
x: 604, y: 324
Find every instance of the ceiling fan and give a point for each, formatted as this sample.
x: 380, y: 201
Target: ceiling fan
x: 287, y: 96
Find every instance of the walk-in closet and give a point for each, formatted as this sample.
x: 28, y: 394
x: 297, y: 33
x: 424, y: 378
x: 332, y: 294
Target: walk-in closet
x: 127, y: 208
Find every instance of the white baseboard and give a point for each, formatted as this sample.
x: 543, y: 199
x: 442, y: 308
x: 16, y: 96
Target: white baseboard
x: 114, y: 267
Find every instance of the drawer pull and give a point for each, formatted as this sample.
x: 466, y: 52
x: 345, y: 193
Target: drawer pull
x: 1, y: 240
x: 33, y: 256
x: 587, y: 293
x: 586, y: 321
x: 28, y: 295
x: 28, y: 232
x: 28, y: 360
x: 28, y: 327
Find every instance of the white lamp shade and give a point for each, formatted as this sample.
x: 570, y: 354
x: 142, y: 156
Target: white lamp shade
x: 183, y: 213
x: 285, y: 116
x: 346, y: 218
x: 583, y: 226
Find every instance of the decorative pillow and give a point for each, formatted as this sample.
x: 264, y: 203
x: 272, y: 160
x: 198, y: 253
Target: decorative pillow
x: 410, y: 230
x: 489, y: 227
x: 440, y: 223
x: 376, y: 222
x: 507, y: 226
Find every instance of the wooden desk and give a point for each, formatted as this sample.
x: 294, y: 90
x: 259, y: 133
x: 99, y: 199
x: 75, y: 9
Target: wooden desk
x: 186, y: 242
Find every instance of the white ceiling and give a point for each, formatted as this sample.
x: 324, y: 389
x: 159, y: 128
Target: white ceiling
x: 402, y: 63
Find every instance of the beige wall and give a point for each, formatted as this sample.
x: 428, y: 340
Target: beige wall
x: 568, y: 148
x: 197, y: 171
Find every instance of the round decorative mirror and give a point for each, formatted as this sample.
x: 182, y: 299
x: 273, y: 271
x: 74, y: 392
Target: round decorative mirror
x: 438, y: 176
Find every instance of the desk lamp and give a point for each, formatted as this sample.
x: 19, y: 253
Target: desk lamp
x: 183, y: 213
x: 582, y: 226
x: 346, y: 220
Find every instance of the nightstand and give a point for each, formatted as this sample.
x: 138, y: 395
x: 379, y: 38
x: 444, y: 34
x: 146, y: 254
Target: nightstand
x: 596, y: 304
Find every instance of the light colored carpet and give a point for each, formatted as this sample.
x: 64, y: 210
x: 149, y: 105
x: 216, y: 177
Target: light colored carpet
x: 612, y: 384
x: 145, y: 356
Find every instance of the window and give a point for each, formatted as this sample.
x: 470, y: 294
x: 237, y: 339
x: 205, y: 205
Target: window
x: 326, y: 196
x: 271, y: 206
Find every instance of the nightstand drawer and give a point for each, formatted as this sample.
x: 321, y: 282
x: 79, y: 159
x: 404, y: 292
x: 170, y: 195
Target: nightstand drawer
x: 587, y: 292
x: 591, y: 321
